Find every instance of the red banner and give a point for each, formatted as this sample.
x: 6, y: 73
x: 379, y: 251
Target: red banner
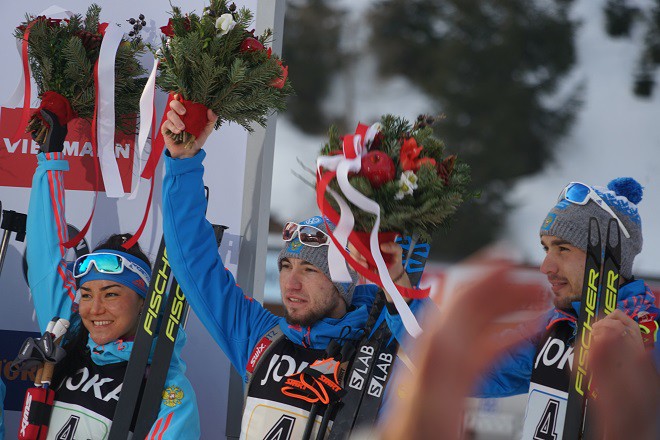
x: 17, y: 161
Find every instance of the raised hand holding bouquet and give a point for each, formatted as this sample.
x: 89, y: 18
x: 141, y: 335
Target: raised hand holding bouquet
x: 213, y: 62
x: 62, y: 55
x: 388, y: 179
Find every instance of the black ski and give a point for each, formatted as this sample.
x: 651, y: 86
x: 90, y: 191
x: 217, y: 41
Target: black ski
x: 611, y: 267
x: 414, y: 259
x: 378, y: 379
x: 358, y: 373
x: 137, y: 364
x: 175, y: 312
x: 599, y: 296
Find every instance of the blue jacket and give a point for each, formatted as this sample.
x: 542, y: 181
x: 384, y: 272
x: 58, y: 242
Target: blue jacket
x: 54, y: 292
x: 512, y: 374
x: 236, y: 321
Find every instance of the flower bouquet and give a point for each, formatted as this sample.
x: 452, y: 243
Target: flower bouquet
x: 388, y: 179
x: 62, y: 54
x: 213, y: 62
x: 403, y: 169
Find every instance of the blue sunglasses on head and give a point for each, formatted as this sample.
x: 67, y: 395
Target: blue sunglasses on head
x: 579, y: 194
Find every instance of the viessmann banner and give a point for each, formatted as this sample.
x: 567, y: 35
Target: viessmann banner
x: 17, y: 159
x: 225, y: 156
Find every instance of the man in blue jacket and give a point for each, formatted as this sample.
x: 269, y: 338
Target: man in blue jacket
x: 317, y: 310
x: 542, y: 365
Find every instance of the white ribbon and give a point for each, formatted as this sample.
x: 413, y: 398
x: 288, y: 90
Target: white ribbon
x: 343, y: 166
x: 106, y: 112
x: 146, y: 121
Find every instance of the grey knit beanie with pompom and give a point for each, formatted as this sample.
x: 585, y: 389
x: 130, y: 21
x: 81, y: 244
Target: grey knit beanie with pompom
x: 570, y: 221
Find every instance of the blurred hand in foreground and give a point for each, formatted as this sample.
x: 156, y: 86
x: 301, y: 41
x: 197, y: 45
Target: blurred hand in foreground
x: 458, y: 344
x: 626, y: 381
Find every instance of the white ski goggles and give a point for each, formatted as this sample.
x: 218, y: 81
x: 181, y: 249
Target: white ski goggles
x: 579, y: 193
x: 107, y: 263
x: 307, y: 235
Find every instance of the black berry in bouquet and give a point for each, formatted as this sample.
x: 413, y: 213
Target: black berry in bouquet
x: 401, y: 167
x: 62, y: 54
x: 212, y: 61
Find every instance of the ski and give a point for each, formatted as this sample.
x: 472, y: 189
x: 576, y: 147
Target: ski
x: 599, y: 296
x: 611, y: 267
x: 137, y: 364
x: 175, y: 312
x: 356, y: 378
x: 376, y: 383
x: 414, y: 259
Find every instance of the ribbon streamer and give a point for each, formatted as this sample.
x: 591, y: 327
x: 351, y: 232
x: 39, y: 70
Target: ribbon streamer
x: 156, y: 146
x: 23, y: 91
x: 147, y: 121
x: 339, y: 167
x: 106, y: 114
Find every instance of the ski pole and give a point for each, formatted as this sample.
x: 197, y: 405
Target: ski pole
x: 11, y: 222
x: 345, y: 356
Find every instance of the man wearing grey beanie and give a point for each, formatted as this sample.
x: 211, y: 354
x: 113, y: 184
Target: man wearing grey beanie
x: 541, y: 366
x: 267, y: 350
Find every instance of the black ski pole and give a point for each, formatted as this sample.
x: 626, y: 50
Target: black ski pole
x: 11, y: 222
x: 331, y: 351
x: 345, y: 355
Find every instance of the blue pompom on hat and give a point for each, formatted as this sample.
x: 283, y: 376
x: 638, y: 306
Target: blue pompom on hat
x: 570, y: 221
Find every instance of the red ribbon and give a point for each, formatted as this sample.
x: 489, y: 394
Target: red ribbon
x: 134, y: 239
x: 157, y: 146
x: 27, y: 92
x: 349, y: 141
x: 330, y: 213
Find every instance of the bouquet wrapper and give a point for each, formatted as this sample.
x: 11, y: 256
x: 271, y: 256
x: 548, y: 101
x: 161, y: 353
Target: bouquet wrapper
x: 195, y: 117
x: 57, y: 104
x: 35, y: 416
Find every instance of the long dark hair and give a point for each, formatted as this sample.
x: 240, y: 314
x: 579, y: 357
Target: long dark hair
x: 75, y: 343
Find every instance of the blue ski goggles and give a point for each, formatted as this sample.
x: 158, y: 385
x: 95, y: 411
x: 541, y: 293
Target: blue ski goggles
x: 110, y: 263
x: 307, y: 235
x: 580, y: 194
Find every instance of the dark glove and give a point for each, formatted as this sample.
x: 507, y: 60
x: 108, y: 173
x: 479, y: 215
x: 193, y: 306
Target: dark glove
x: 54, y: 142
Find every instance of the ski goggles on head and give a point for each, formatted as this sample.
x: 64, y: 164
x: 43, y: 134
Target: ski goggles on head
x: 107, y: 263
x: 307, y: 235
x: 579, y: 194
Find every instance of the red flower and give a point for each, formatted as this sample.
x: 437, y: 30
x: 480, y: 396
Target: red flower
x: 279, y: 82
x: 168, y: 30
x: 409, y: 154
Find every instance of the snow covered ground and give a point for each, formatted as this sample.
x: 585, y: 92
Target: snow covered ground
x: 615, y: 134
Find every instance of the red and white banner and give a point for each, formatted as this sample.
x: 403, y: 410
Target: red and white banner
x: 17, y: 159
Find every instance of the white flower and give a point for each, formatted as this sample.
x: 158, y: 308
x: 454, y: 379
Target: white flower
x: 225, y: 23
x: 407, y: 184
